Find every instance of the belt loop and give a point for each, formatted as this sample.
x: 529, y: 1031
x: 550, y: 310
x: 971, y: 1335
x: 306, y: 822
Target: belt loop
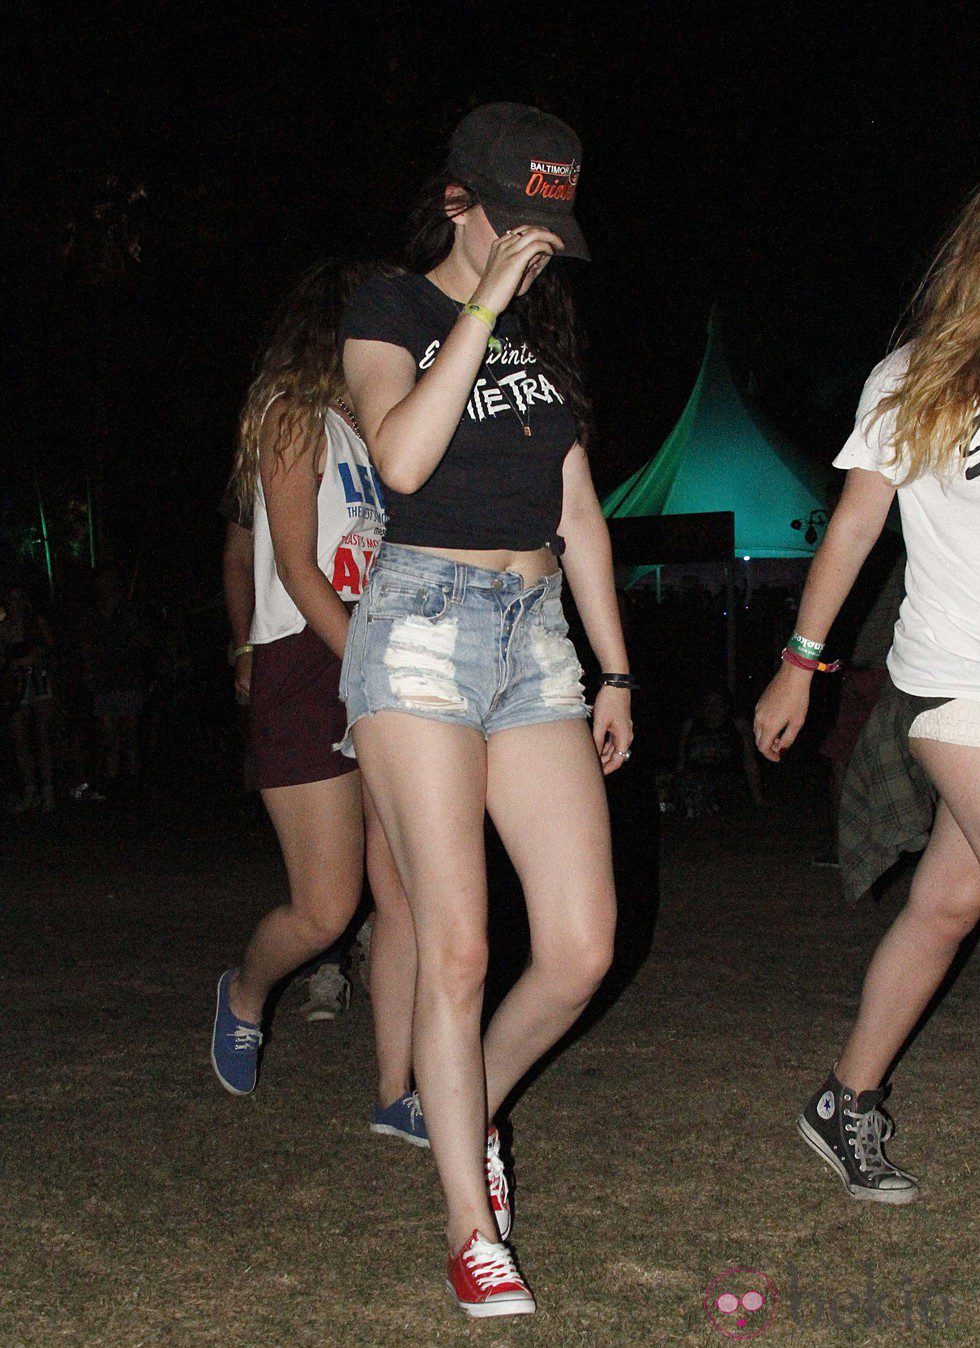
x: 459, y: 583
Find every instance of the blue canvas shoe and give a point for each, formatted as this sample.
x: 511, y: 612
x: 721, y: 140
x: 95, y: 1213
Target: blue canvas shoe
x: 235, y: 1044
x: 402, y: 1119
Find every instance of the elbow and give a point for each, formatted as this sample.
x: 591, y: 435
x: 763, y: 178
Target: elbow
x: 402, y: 481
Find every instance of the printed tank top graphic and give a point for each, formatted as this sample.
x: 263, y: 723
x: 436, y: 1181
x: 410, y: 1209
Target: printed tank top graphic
x: 352, y: 500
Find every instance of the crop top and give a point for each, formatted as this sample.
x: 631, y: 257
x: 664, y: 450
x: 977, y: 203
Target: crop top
x: 496, y: 486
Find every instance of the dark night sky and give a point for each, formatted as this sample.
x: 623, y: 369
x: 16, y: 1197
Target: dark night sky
x: 798, y: 169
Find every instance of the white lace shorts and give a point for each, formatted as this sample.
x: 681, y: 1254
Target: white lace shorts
x: 955, y: 722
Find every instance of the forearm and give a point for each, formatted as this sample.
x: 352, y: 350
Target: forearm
x: 412, y: 438
x: 239, y: 585
x: 832, y: 575
x: 317, y: 601
x: 587, y: 562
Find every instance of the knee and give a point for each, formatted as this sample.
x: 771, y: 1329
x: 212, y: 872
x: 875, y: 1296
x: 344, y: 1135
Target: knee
x: 322, y: 917
x: 455, y: 965
x: 950, y: 914
x: 578, y: 965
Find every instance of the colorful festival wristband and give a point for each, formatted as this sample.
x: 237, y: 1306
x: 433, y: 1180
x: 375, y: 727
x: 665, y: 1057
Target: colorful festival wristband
x: 814, y: 666
x: 810, y: 650
x: 481, y: 312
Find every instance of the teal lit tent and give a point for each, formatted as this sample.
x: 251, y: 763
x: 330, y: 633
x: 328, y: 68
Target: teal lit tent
x: 721, y: 456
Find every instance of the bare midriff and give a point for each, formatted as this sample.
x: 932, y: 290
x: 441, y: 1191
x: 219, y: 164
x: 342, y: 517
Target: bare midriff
x: 530, y: 566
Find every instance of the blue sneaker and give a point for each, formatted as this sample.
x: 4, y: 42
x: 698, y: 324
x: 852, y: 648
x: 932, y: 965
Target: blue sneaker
x: 235, y: 1044
x: 402, y: 1119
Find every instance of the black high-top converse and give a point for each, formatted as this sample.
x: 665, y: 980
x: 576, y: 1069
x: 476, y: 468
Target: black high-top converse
x: 847, y: 1131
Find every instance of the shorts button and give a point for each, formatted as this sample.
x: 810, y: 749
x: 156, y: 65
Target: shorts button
x: 496, y: 585
x: 423, y: 593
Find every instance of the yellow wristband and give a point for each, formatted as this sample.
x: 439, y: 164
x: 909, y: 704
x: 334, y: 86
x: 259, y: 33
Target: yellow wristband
x: 246, y: 649
x: 479, y: 311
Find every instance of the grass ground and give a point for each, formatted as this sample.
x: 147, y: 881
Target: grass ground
x: 143, y: 1206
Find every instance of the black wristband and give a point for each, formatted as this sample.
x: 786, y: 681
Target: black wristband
x: 618, y: 681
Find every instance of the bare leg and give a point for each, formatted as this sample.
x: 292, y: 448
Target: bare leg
x: 320, y: 831
x: 428, y: 780
x: 943, y: 907
x: 392, y: 962
x: 547, y: 798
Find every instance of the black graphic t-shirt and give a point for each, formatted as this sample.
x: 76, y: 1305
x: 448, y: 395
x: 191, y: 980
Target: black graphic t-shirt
x: 496, y: 486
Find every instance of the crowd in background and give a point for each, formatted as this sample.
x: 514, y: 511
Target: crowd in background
x: 105, y: 685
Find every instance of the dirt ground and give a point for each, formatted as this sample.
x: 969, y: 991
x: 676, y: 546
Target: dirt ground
x: 144, y: 1206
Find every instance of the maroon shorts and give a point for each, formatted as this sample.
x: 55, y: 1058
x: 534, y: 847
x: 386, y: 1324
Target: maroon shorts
x: 295, y: 712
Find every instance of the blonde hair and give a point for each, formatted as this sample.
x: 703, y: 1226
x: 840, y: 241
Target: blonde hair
x: 936, y: 403
x: 300, y: 372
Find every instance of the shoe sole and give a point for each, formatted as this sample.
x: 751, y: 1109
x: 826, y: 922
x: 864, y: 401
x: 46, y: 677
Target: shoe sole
x: 389, y: 1130
x: 232, y: 1090
x: 893, y: 1197
x: 486, y: 1310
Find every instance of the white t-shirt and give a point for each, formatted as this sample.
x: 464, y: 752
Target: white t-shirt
x: 350, y: 527
x: 936, y: 649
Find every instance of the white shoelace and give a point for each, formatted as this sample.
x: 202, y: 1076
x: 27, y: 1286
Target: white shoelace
x: 246, y: 1037
x: 414, y: 1108
x: 866, y: 1143
x: 496, y: 1178
x: 491, y: 1265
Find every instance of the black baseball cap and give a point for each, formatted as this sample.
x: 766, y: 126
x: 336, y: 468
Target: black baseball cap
x: 524, y: 165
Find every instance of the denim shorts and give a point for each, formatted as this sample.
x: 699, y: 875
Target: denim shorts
x: 449, y: 642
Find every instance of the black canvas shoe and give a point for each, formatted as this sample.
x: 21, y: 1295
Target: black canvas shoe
x: 847, y: 1131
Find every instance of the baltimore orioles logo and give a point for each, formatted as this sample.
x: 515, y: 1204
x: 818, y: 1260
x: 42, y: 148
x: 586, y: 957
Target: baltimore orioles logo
x: 552, y: 181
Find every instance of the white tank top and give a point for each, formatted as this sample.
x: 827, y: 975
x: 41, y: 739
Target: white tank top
x: 350, y: 527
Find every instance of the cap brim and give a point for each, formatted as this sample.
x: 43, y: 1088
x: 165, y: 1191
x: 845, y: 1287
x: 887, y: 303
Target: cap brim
x: 565, y: 226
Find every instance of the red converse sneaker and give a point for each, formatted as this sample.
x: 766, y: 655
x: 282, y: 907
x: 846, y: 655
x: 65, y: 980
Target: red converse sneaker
x: 497, y: 1183
x: 484, y: 1280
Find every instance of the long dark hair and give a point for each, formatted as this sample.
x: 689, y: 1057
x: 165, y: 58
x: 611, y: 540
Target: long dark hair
x: 301, y: 361
x: 546, y: 313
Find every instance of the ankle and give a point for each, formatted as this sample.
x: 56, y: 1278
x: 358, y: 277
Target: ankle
x: 457, y: 1237
x: 389, y: 1092
x: 241, y: 1006
x: 855, y: 1078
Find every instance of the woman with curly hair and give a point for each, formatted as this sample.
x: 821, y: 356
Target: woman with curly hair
x: 463, y: 691
x: 916, y: 435
x: 302, y: 475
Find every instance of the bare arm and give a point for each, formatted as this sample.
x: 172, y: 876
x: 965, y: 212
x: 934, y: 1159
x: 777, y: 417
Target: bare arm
x: 587, y: 562
x: 237, y: 568
x: 238, y: 574
x: 408, y: 424
x: 290, y: 489
x: 852, y: 532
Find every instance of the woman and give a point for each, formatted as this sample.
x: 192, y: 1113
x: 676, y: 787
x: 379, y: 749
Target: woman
x: 317, y: 526
x: 915, y: 434
x: 28, y: 695
x: 463, y: 693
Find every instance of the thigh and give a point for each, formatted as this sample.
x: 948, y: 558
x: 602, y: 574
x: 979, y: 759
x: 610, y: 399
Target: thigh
x: 546, y: 796
x: 428, y: 781
x: 320, y: 830
x: 955, y: 771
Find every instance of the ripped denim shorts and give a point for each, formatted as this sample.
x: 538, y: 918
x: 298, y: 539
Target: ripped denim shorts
x: 460, y: 644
